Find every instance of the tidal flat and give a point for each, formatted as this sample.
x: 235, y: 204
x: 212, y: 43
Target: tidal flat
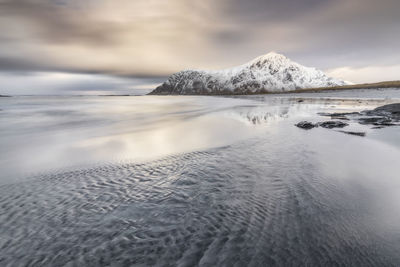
x: 198, y: 180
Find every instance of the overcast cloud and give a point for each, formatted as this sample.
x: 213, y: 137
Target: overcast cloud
x: 356, y: 40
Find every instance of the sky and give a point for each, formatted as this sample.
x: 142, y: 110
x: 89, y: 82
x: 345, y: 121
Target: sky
x: 61, y: 46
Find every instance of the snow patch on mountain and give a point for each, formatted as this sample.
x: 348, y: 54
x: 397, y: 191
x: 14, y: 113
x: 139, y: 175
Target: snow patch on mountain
x: 272, y: 72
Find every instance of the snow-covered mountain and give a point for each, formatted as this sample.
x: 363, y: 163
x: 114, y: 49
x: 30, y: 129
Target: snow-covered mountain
x: 272, y: 72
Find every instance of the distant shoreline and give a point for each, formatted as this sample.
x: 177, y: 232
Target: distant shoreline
x: 378, y: 85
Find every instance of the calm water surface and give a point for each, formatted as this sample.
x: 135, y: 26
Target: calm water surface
x: 186, y: 181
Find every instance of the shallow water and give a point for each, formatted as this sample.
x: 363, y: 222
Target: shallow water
x: 183, y: 181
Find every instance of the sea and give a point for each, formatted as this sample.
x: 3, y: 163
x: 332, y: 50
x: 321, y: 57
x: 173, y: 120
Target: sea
x: 197, y: 181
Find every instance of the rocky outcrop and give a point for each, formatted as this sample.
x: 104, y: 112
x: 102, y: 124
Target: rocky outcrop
x: 325, y: 124
x: 391, y: 108
x: 380, y: 117
x: 306, y: 125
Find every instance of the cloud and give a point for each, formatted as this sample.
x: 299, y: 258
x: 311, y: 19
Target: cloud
x: 157, y: 37
x: 123, y: 37
x: 368, y: 74
x: 56, y: 83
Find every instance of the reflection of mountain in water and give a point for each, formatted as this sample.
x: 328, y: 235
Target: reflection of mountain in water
x: 259, y: 114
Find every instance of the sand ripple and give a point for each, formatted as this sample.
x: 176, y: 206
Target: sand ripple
x: 209, y: 208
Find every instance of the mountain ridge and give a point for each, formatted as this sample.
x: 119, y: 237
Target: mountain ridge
x: 271, y: 72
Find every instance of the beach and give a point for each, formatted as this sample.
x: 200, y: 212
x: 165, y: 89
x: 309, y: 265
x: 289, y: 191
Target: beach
x: 198, y: 180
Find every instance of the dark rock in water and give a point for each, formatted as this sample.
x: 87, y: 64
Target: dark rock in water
x: 385, y: 123
x: 377, y: 121
x: 380, y: 117
x: 338, y: 114
x: 387, y: 115
x: 391, y: 108
x: 340, y: 118
x: 353, y: 133
x: 369, y: 120
x: 332, y: 124
x: 306, y: 125
x: 372, y: 120
x: 326, y: 124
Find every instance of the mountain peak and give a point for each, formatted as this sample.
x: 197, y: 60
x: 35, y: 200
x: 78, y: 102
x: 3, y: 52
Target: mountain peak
x: 272, y: 58
x: 271, y: 55
x: 275, y: 55
x: 272, y: 72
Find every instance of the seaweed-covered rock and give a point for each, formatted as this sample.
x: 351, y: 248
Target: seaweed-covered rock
x: 380, y: 117
x: 339, y: 116
x: 306, y: 125
x: 326, y: 124
x: 377, y: 121
x: 391, y: 108
x: 332, y: 124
